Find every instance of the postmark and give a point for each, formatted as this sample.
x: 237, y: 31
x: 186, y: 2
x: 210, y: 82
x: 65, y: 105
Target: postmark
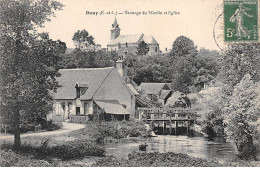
x: 241, y: 21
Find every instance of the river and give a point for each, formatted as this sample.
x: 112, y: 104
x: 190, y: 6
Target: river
x: 194, y: 146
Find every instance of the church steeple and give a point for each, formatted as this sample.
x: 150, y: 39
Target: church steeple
x: 115, y: 31
x: 115, y: 25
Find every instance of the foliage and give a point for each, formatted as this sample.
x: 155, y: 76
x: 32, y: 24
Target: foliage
x: 178, y: 99
x: 91, y: 59
x: 119, y: 130
x: 241, y: 113
x: 155, y: 159
x: 183, y: 56
x: 207, y: 65
x: 183, y: 47
x: 151, y: 69
x: 12, y: 159
x: 29, y: 61
x: 115, y: 129
x: 210, y: 110
x: 142, y: 48
x: 70, y: 150
x: 24, y: 128
x: 239, y: 60
x: 83, y: 41
x: 190, y: 67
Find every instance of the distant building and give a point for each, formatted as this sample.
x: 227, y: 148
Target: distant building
x: 156, y: 92
x: 129, y: 43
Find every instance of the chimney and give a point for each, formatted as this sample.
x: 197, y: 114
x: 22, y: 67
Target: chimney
x: 120, y: 65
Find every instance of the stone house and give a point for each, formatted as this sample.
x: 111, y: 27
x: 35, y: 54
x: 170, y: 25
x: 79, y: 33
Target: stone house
x: 84, y: 91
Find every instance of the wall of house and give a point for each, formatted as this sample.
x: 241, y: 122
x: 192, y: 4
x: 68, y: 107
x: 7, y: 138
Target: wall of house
x: 115, y: 47
x: 152, y: 49
x: 61, y: 110
x: 115, y: 89
x: 112, y: 47
x: 60, y: 114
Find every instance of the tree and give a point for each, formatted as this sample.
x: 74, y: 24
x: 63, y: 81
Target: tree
x: 210, y: 110
x: 84, y: 41
x: 91, y: 59
x: 239, y: 60
x: 207, y: 66
x: 29, y: 61
x: 183, y: 64
x: 241, y: 113
x: 184, y: 73
x: 183, y: 46
x: 142, y: 48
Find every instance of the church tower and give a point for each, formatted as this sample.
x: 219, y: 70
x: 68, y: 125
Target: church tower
x: 115, y: 31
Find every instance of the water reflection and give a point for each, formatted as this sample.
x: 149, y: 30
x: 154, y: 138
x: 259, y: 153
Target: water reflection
x: 193, y: 146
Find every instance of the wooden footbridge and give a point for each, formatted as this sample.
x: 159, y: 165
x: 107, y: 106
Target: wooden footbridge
x: 168, y: 120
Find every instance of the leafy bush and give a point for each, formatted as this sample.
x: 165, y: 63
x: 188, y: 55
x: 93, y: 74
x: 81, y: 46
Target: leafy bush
x: 156, y: 159
x: 241, y: 115
x: 45, y: 125
x: 53, y: 126
x: 70, y: 150
x: 10, y: 158
x: 116, y: 129
x: 77, y: 149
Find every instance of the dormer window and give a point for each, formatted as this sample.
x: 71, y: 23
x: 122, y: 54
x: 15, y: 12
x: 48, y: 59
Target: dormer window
x: 81, y: 89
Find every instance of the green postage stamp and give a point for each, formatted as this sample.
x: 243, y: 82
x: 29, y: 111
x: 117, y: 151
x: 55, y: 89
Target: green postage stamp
x: 241, y: 20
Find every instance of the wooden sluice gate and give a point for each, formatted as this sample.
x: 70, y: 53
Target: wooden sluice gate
x: 168, y: 120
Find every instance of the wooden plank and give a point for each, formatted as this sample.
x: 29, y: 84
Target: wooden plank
x: 168, y: 119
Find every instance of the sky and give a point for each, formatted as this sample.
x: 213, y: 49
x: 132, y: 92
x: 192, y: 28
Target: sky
x: 195, y: 20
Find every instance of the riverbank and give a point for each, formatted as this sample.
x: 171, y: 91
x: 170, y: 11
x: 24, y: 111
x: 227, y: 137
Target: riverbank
x: 135, y: 159
x: 72, y: 149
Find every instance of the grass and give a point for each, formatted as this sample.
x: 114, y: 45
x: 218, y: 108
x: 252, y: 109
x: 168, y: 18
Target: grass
x: 73, y: 150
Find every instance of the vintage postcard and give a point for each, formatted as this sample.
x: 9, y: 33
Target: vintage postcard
x: 129, y: 83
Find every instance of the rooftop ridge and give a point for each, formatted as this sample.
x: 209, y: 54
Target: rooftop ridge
x: 74, y: 69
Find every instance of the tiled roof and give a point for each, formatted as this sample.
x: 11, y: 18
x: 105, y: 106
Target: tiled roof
x: 112, y: 107
x: 148, y: 39
x: 131, y: 87
x: 151, y: 88
x: 130, y: 39
x: 70, y: 77
x: 164, y: 93
x: 143, y: 101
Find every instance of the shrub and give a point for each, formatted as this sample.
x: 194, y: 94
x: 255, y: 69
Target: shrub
x: 77, y: 149
x: 12, y: 159
x: 53, y: 126
x: 156, y: 159
x: 70, y: 150
x: 45, y: 125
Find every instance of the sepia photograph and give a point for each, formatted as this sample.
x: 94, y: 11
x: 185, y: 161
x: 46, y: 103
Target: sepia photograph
x: 129, y: 83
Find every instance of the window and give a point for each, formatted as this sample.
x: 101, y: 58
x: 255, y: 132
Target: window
x: 58, y: 109
x: 77, y: 92
x: 77, y: 110
x: 155, y: 49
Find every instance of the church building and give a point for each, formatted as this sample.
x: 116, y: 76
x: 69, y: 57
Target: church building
x: 129, y: 43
